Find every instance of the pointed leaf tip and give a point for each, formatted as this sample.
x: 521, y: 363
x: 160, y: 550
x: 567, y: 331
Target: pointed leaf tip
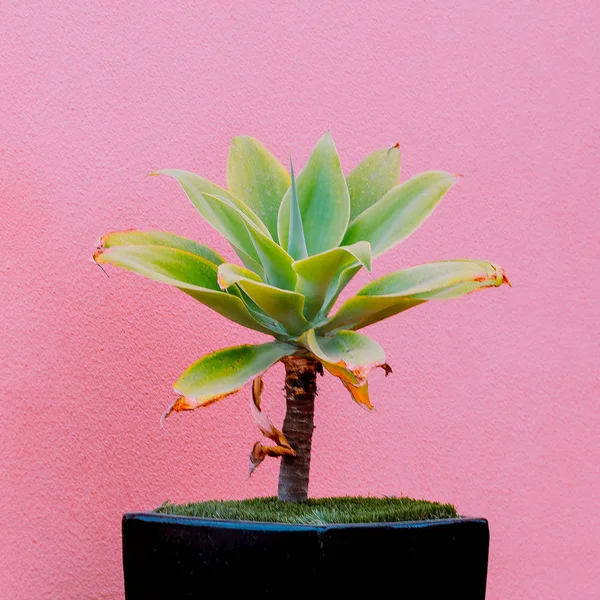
x: 296, y: 245
x: 400, y: 291
x: 323, y: 199
x: 400, y: 212
x: 183, y: 403
x: 372, y: 178
x: 360, y: 394
x: 257, y: 178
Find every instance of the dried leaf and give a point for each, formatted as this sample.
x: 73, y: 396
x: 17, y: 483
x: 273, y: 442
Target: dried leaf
x: 348, y: 355
x: 386, y: 368
x: 259, y: 452
x: 360, y: 394
x: 184, y: 403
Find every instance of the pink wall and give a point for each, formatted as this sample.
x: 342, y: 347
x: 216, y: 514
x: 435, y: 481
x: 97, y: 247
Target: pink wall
x: 493, y: 404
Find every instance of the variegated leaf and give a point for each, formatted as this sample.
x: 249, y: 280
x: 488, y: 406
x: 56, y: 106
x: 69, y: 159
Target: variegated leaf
x: 319, y: 275
x: 402, y: 290
x: 257, y: 178
x: 400, y: 212
x: 284, y: 306
x: 188, y: 272
x: 152, y: 237
x: 372, y: 178
x: 323, y: 199
x: 348, y: 355
x: 224, y: 372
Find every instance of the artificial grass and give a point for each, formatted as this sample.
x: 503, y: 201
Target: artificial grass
x: 321, y: 511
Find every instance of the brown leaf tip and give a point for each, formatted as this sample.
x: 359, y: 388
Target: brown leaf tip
x: 97, y: 253
x: 180, y: 404
x: 386, y: 368
x: 255, y: 458
x: 258, y: 387
x: 505, y: 278
x: 101, y: 246
x: 260, y: 452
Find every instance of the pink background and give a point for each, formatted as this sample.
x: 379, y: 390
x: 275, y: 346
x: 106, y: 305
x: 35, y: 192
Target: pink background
x: 493, y: 404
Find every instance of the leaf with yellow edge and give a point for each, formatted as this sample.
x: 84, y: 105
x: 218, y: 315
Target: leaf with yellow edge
x: 196, y: 186
x: 276, y: 263
x: 320, y: 273
x: 282, y: 305
x: 153, y: 237
x: 348, y: 355
x: 257, y: 178
x: 400, y: 212
x: 268, y: 259
x: 229, y: 223
x: 336, y: 289
x: 224, y: 372
x: 190, y: 273
x: 372, y: 178
x: 405, y: 289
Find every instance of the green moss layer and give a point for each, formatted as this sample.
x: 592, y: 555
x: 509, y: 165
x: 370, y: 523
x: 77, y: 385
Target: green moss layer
x: 320, y: 511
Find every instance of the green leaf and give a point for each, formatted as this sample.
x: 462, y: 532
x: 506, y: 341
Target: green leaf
x: 234, y: 225
x: 276, y: 263
x: 224, y: 372
x: 260, y: 253
x: 296, y: 240
x: 195, y: 186
x: 282, y: 305
x: 188, y: 272
x: 346, y: 354
x: 400, y: 212
x: 153, y: 237
x: 250, y: 263
x: 372, y: 178
x: 228, y: 215
x: 317, y: 274
x: 336, y: 289
x: 323, y: 198
x: 402, y: 290
x: 257, y: 178
x: 163, y: 264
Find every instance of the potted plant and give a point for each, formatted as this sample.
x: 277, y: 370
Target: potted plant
x: 301, y: 240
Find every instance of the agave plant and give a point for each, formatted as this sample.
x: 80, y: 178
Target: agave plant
x: 301, y: 240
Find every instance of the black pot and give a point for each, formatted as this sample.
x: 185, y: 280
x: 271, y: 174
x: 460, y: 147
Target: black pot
x: 171, y: 558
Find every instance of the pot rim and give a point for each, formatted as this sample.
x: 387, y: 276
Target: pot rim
x: 279, y: 526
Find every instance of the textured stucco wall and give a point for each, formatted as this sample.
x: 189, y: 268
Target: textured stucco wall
x: 493, y: 404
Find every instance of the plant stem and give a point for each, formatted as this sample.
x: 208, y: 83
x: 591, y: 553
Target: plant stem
x: 300, y: 390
